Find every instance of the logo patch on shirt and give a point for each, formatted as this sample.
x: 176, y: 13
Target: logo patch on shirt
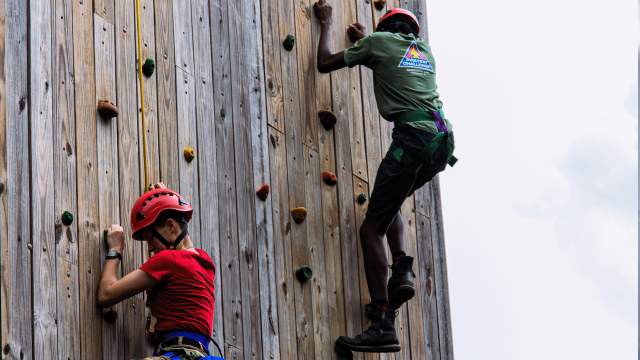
x: 413, y: 58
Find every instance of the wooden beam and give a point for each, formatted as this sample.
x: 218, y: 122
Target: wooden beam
x: 427, y: 294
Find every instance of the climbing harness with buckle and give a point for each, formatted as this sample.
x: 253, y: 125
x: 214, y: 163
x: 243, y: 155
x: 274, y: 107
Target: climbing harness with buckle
x: 424, y: 156
x: 194, y: 337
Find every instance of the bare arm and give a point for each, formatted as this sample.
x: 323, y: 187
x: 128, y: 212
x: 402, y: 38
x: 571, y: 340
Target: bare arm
x: 327, y: 61
x: 111, y: 290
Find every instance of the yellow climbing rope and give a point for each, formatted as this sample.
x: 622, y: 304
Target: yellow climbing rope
x: 144, y: 125
x: 373, y: 15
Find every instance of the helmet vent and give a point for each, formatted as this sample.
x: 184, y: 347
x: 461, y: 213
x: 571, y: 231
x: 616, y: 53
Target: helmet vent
x: 182, y: 202
x: 140, y: 216
x: 149, y: 198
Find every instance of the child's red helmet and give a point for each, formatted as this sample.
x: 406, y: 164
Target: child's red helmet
x: 398, y: 11
x: 147, y: 208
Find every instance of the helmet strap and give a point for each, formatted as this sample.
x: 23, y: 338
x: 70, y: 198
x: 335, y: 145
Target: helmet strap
x: 168, y: 245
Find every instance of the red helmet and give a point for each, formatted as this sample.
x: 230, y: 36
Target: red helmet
x: 147, y: 208
x: 398, y: 11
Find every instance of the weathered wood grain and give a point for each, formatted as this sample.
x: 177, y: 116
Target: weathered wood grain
x: 244, y: 29
x: 279, y: 194
x: 414, y: 306
x: 188, y: 138
x: 15, y: 300
x: 402, y: 329
x: 427, y: 293
x: 229, y: 267
x: 104, y: 9
x: 233, y: 352
x: 166, y: 93
x: 440, y: 265
x: 64, y: 135
x: 183, y: 35
x: 150, y: 99
x: 137, y: 344
x: 272, y: 45
x: 45, y: 344
x: 89, y: 233
x: 67, y: 310
x: 108, y: 186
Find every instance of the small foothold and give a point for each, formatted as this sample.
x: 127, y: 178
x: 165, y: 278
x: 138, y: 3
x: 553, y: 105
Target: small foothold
x: 288, y: 42
x: 362, y: 198
x: 329, y: 178
x: 379, y: 4
x: 299, y: 214
x: 29, y: 246
x: 148, y: 67
x: 327, y: 118
x: 111, y: 316
x: 189, y: 154
x: 107, y: 109
x: 351, y: 32
x: 304, y: 273
x: 67, y: 251
x: 263, y: 192
x: 68, y: 274
x: 67, y: 218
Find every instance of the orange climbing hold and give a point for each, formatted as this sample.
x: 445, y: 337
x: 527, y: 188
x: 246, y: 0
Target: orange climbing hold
x: 379, y: 4
x: 107, y: 109
x: 327, y: 118
x: 299, y: 214
x: 263, y: 192
x: 329, y: 178
x: 189, y: 154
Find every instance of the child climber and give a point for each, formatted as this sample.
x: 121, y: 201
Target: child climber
x: 180, y: 276
x: 405, y: 89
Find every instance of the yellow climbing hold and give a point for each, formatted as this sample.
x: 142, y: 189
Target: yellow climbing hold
x: 189, y: 154
x: 299, y: 214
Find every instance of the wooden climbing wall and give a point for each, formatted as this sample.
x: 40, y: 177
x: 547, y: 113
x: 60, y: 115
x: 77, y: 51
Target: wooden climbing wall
x: 224, y: 86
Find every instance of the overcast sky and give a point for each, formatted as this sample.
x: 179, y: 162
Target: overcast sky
x: 541, y: 211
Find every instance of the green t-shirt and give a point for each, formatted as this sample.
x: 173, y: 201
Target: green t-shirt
x: 404, y: 74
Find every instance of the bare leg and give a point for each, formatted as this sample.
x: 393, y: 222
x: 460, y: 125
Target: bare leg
x: 395, y: 235
x: 375, y: 259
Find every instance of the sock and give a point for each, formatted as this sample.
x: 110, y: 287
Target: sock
x: 382, y: 304
x: 399, y: 254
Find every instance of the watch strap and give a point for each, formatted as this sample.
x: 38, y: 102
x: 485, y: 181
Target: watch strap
x: 112, y: 254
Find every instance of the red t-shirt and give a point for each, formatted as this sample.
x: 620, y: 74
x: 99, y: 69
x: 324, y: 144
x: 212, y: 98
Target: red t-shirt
x: 183, y: 298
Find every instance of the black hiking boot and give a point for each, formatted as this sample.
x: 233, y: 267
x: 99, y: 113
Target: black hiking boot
x: 400, y: 287
x: 379, y: 338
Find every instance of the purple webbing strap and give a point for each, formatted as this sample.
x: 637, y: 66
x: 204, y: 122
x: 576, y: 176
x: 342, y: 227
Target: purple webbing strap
x: 440, y: 124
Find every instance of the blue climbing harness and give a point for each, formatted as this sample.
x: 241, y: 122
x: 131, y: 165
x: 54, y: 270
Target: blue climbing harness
x: 203, y: 340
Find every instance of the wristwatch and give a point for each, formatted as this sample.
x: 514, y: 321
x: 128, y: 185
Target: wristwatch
x: 112, y: 254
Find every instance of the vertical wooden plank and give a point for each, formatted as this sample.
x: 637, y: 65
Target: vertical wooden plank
x: 183, y: 36
x: 67, y: 311
x: 272, y: 45
x: 150, y: 98
x: 166, y: 93
x: 107, y: 150
x: 321, y: 317
x: 402, y: 329
x: 64, y: 178
x: 89, y: 234
x: 45, y: 344
x: 105, y: 9
x: 426, y: 273
x: 360, y: 187
x: 279, y: 194
x: 16, y: 310
x: 233, y: 352
x: 414, y: 306
x: 229, y: 269
x: 188, y: 138
x: 370, y: 112
x: 64, y: 137
x: 440, y: 266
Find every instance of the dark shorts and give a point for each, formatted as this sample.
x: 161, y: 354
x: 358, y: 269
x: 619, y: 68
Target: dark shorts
x: 395, y: 182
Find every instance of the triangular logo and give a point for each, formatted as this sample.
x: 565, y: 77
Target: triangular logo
x: 415, y: 59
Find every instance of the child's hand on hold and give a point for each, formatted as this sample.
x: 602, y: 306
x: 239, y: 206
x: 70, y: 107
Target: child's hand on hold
x: 322, y: 10
x: 356, y: 32
x: 115, y: 238
x: 159, y: 185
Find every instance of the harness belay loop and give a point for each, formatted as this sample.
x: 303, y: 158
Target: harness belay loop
x: 425, y: 155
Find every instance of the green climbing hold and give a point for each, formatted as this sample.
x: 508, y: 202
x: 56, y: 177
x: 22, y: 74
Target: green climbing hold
x: 304, y: 273
x: 67, y: 218
x: 148, y: 67
x: 362, y: 198
x: 288, y: 42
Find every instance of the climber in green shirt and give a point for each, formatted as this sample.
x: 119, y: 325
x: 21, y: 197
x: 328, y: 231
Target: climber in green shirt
x: 405, y: 89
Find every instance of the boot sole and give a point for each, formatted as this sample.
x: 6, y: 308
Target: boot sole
x: 401, y: 295
x: 369, y: 349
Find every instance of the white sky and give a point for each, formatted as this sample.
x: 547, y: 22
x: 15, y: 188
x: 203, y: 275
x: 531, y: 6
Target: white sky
x: 540, y: 212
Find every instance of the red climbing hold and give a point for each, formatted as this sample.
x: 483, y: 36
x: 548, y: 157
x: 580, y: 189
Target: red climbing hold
x: 327, y: 118
x: 329, y: 178
x: 107, y: 109
x: 263, y: 192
